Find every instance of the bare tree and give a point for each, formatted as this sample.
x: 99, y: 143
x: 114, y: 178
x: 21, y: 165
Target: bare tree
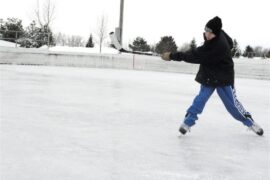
x: 75, y: 41
x: 69, y: 40
x: 60, y: 39
x: 102, y: 31
x: 185, y: 47
x: 258, y: 50
x: 47, y: 15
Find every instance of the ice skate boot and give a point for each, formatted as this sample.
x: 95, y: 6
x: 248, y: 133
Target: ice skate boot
x: 184, y: 129
x: 255, y: 127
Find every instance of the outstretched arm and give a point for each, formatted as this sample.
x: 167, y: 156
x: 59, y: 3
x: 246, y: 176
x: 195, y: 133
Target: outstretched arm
x: 198, y: 56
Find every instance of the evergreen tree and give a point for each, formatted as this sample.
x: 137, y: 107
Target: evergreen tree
x: 46, y: 36
x: 28, y: 41
x: 166, y: 44
x: 249, y: 52
x: 268, y: 54
x: 139, y: 44
x: 90, y: 43
x: 37, y: 36
x: 236, y: 52
x: 12, y: 29
x: 193, y: 44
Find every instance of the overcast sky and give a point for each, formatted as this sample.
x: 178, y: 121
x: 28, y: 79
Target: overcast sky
x: 247, y: 21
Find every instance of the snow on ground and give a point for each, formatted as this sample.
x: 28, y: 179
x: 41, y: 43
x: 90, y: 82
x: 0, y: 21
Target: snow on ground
x: 7, y: 44
x: 105, y: 50
x: 84, y: 123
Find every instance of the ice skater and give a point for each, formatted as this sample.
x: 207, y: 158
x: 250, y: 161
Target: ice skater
x: 216, y: 72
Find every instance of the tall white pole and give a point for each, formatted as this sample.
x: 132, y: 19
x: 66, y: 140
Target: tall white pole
x: 121, y: 20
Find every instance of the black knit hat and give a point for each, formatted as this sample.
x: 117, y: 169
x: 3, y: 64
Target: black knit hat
x: 214, y: 25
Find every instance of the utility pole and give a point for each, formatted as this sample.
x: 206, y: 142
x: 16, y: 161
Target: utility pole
x: 121, y: 21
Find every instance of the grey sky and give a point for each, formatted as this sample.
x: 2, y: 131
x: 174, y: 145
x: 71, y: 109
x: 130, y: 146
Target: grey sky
x: 247, y: 21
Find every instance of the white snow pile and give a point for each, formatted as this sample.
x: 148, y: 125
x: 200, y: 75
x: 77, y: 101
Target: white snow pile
x: 7, y: 44
x: 106, y: 50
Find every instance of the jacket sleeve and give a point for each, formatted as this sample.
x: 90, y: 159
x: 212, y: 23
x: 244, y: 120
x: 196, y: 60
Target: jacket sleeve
x: 199, y: 56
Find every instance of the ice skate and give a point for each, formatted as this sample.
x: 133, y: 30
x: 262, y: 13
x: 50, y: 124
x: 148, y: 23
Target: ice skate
x: 256, y: 128
x: 184, y: 128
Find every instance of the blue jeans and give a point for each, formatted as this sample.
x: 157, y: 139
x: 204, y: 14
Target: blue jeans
x: 228, y: 97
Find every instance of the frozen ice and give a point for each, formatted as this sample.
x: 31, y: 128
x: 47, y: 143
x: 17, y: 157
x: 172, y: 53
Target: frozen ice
x: 104, y: 124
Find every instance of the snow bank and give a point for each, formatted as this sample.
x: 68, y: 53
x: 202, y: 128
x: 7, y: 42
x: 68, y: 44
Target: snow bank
x: 6, y: 44
x: 87, y: 57
x: 105, y: 50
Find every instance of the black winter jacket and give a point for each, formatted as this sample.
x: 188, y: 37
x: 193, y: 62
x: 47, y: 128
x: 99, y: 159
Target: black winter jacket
x: 214, y: 57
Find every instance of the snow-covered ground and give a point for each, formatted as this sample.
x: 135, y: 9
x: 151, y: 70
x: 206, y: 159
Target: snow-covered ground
x: 105, y: 50
x: 103, y: 124
x: 95, y: 49
x: 7, y: 44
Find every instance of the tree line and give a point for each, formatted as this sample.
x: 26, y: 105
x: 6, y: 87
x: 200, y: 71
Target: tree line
x: 35, y: 36
x: 167, y: 44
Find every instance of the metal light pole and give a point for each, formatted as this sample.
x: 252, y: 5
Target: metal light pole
x: 121, y: 21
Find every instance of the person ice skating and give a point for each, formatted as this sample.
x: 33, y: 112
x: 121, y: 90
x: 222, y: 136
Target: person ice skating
x: 216, y: 72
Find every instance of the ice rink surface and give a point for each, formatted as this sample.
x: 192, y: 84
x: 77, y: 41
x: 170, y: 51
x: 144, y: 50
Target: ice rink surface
x: 64, y: 123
